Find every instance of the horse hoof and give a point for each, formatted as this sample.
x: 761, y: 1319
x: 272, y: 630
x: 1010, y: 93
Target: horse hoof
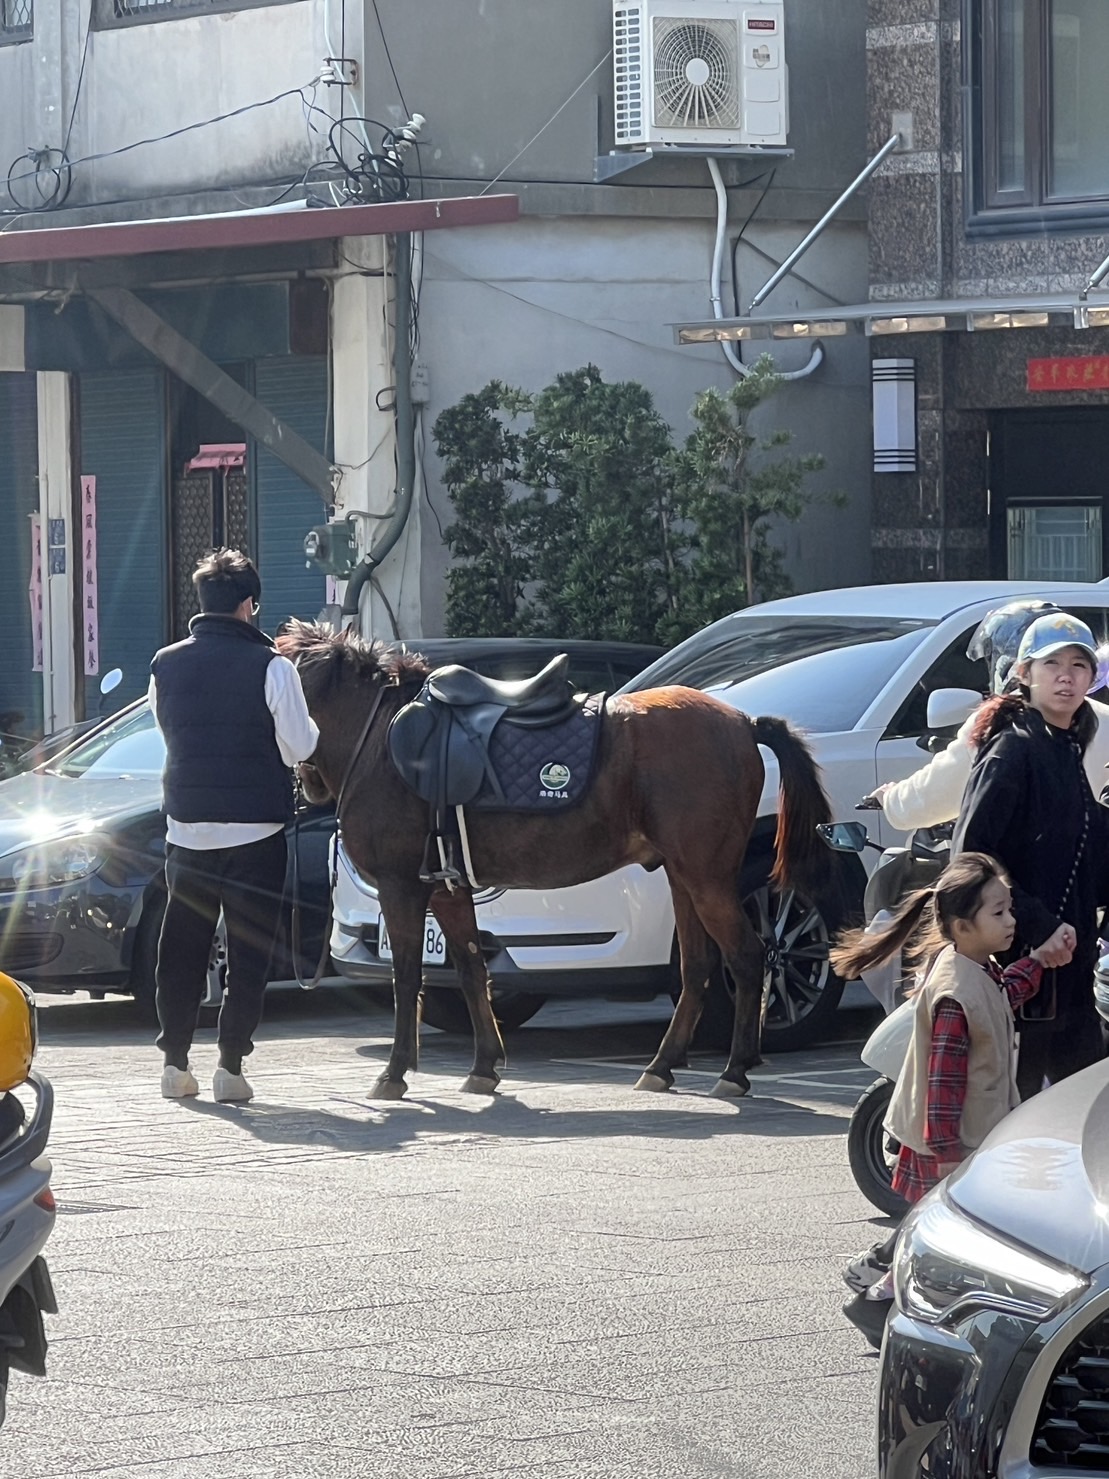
x: 653, y: 1083
x: 389, y: 1088
x: 725, y: 1088
x: 476, y: 1084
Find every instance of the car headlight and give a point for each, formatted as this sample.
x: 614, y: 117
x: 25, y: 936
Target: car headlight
x: 50, y: 863
x: 947, y: 1266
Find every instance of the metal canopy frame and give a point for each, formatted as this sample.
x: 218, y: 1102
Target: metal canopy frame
x: 1065, y: 310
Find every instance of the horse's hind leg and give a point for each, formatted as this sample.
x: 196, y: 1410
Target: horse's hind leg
x: 455, y: 913
x: 403, y: 907
x: 727, y: 922
x: 697, y: 960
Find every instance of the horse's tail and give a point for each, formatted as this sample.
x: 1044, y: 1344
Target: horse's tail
x: 801, y: 858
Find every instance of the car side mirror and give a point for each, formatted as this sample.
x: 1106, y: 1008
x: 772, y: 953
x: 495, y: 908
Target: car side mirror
x: 111, y: 680
x: 843, y: 836
x: 948, y: 708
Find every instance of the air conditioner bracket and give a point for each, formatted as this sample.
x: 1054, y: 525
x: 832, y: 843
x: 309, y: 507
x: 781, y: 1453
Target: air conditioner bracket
x: 619, y: 161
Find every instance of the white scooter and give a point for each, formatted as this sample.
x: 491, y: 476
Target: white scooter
x: 870, y: 1150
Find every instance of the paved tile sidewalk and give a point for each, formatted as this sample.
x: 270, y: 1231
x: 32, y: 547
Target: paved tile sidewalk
x: 571, y: 1280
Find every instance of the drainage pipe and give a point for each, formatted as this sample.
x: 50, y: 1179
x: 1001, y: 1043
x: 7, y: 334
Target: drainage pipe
x: 730, y: 354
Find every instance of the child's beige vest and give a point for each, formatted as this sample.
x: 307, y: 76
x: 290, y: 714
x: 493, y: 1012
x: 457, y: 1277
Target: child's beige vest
x: 991, y: 1079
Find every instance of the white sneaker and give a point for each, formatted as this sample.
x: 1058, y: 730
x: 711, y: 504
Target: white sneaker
x: 230, y: 1088
x: 178, y: 1083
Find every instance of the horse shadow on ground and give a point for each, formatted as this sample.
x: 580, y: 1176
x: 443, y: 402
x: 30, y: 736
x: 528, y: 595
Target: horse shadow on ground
x: 379, y: 1128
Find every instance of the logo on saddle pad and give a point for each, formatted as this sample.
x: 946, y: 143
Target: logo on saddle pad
x: 553, y: 780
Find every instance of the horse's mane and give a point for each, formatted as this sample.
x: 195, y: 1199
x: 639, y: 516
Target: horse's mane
x: 317, y: 649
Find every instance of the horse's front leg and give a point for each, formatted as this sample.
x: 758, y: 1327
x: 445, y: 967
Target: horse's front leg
x: 455, y: 913
x: 403, y: 907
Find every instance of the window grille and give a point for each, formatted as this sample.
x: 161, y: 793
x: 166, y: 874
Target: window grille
x: 1055, y: 542
x: 16, y: 17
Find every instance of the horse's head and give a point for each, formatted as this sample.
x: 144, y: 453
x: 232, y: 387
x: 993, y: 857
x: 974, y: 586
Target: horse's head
x: 339, y: 672
x: 328, y: 660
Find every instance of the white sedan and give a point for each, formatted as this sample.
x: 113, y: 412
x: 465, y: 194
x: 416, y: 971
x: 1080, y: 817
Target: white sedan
x: 852, y: 668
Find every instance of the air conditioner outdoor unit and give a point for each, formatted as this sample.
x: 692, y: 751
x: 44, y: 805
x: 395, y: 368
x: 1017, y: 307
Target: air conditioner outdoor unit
x: 700, y: 73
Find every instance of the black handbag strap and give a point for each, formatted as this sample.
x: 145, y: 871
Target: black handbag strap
x: 1087, y: 798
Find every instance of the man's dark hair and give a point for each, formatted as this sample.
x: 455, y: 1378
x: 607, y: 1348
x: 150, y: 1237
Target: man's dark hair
x: 224, y: 579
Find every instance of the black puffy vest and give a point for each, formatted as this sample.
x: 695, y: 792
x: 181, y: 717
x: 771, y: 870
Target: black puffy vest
x: 222, y: 760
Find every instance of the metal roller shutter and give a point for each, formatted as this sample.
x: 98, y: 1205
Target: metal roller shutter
x: 20, y: 688
x: 294, y: 389
x: 123, y: 445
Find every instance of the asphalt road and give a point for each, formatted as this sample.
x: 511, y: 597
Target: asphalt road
x: 570, y: 1280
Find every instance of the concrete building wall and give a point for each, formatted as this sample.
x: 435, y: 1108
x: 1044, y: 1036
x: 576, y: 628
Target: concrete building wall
x: 523, y: 303
x: 497, y: 71
x: 142, y: 81
x: 518, y: 96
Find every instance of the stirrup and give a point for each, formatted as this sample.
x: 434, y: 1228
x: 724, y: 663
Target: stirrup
x: 446, y: 872
x: 450, y: 876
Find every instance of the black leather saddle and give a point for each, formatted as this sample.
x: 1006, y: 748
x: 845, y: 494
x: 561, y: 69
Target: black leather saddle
x: 439, y: 743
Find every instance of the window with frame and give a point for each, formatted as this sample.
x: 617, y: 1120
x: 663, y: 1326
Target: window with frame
x: 1044, y: 107
x: 16, y: 20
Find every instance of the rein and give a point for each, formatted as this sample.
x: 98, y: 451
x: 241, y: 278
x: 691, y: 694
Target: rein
x: 325, y: 951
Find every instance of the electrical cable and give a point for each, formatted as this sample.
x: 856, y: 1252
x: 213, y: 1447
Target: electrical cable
x: 389, y: 59
x: 751, y: 214
x: 80, y: 79
x: 375, y: 175
x: 48, y: 200
x: 561, y: 108
x: 175, y: 133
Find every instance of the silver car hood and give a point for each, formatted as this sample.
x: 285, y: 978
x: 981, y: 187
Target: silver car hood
x: 1042, y: 1177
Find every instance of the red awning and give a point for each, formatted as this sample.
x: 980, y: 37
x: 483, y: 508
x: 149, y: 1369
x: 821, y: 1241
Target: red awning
x: 257, y: 228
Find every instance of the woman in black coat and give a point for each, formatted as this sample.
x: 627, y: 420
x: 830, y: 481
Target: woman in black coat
x: 1028, y: 804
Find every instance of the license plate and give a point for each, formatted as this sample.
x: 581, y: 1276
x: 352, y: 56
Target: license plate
x: 435, y: 947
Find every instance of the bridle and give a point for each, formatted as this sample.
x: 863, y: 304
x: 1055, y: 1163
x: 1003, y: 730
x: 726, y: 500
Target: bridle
x: 348, y: 771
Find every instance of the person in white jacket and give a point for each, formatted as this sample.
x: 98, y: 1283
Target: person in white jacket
x: 933, y: 794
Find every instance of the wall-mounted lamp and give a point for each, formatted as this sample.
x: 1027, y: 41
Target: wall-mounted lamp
x: 714, y: 333
x: 1008, y: 320
x: 893, y: 388
x: 922, y: 323
x: 827, y: 328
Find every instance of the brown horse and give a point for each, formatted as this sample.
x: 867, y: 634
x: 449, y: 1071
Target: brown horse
x: 677, y: 784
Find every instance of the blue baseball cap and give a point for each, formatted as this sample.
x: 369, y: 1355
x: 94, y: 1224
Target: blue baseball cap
x: 1052, y: 633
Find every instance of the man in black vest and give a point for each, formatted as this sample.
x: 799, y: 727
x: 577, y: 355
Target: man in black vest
x: 234, y: 719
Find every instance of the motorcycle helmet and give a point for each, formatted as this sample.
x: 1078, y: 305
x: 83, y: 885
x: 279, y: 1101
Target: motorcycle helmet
x: 18, y: 1033
x: 998, y: 637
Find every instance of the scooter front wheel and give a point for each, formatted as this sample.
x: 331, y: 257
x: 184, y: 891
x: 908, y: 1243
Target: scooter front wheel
x: 867, y: 1150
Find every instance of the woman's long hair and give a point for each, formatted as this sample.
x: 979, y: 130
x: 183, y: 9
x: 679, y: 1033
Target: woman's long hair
x: 997, y: 714
x: 925, y: 918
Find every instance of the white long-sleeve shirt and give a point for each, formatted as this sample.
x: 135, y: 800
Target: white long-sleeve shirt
x: 297, y: 737
x: 933, y: 794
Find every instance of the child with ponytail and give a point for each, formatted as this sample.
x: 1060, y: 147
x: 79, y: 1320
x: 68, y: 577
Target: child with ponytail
x: 958, y: 1079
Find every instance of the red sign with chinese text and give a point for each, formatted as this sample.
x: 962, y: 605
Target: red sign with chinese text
x: 1076, y: 372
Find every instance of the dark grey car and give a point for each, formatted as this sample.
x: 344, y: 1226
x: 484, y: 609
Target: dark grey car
x: 996, y: 1358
